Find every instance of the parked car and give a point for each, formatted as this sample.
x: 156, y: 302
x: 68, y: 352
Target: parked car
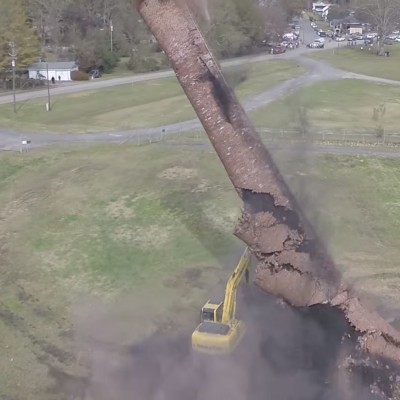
x: 340, y: 39
x: 320, y: 40
x: 95, y: 73
x: 315, y: 45
x: 397, y: 39
x: 278, y: 49
x: 371, y: 35
x: 288, y: 36
x: 321, y: 33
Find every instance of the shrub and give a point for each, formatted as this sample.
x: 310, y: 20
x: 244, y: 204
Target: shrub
x: 138, y: 63
x: 79, y: 76
x: 109, y: 60
x: 237, y: 75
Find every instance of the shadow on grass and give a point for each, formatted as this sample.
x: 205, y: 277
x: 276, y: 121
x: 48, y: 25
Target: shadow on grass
x: 188, y: 210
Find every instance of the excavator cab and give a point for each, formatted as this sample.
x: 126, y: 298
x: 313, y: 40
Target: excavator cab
x: 212, y: 311
x: 219, y: 332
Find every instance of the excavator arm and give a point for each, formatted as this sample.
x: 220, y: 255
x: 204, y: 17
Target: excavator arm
x: 231, y: 287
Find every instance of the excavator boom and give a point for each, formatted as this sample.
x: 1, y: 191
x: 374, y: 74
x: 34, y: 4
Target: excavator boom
x: 231, y: 287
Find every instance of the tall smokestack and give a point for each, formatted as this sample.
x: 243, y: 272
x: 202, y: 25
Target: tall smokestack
x: 292, y: 263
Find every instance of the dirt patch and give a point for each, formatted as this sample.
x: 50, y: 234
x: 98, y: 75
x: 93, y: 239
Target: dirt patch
x: 144, y: 237
x: 119, y: 209
x: 204, y: 186
x: 193, y: 274
x: 46, y: 349
x: 224, y: 219
x: 190, y: 278
x: 178, y: 173
x: 273, y: 358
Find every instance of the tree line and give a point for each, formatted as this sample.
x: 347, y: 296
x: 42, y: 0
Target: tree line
x: 99, y: 32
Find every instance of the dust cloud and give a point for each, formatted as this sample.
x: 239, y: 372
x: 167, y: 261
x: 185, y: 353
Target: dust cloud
x: 286, y: 354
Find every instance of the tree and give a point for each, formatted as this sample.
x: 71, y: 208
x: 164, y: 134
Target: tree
x: 275, y: 19
x: 337, y: 12
x: 48, y: 17
x: 15, y: 28
x: 235, y: 27
x: 384, y: 15
x: 293, y: 8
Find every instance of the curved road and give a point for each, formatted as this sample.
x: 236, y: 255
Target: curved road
x: 317, y: 71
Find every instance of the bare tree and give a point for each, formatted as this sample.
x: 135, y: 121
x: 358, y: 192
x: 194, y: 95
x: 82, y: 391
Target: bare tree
x: 275, y: 18
x: 48, y: 15
x: 384, y: 15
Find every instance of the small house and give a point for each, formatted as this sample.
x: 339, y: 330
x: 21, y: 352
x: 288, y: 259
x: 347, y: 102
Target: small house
x: 59, y: 70
x: 320, y: 8
x: 348, y: 25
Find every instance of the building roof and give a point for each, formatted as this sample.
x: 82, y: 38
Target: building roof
x: 347, y: 21
x: 57, y: 65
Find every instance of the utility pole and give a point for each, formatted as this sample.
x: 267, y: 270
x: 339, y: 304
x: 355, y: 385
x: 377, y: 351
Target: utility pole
x: 111, y: 35
x: 48, y: 88
x: 13, y: 55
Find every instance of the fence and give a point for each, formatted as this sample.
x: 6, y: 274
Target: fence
x: 322, y: 136
x: 340, y: 136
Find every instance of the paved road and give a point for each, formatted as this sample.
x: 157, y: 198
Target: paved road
x: 309, y: 35
x: 317, y: 71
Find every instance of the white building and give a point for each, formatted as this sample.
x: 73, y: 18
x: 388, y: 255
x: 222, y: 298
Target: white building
x: 320, y: 7
x: 60, y: 70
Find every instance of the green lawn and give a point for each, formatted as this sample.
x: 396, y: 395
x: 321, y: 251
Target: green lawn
x: 142, y: 230
x: 364, y: 62
x: 106, y: 245
x: 354, y: 204
x: 151, y: 103
x: 332, y: 105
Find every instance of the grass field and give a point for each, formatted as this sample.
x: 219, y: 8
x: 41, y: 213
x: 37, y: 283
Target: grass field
x: 141, y: 227
x: 144, y: 104
x: 364, y: 62
x: 345, y: 104
x: 110, y: 244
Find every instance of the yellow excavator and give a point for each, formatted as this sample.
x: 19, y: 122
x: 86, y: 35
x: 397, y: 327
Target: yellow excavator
x: 219, y: 331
